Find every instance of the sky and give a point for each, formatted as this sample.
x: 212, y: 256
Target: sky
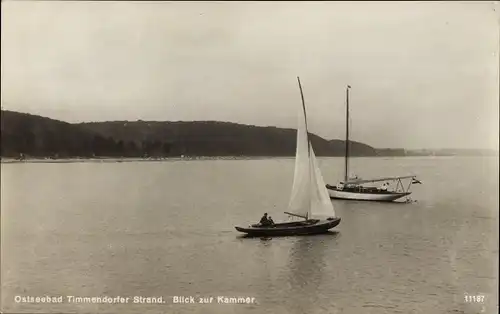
x: 423, y: 74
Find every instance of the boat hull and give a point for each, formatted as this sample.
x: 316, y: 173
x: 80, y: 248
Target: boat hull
x: 292, y: 228
x: 366, y: 196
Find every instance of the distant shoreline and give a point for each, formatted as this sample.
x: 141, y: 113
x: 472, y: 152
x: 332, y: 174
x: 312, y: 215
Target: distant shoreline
x: 192, y: 158
x: 133, y: 159
x: 26, y: 136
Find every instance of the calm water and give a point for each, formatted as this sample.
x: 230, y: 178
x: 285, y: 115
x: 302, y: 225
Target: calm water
x: 167, y: 229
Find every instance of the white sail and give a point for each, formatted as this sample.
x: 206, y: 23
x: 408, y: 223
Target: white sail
x: 309, y: 196
x: 321, y: 204
x: 300, y: 200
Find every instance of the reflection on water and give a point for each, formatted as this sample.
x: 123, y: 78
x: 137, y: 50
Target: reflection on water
x: 306, y: 269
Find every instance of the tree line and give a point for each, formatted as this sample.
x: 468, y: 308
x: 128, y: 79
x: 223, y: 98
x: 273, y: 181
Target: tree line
x: 35, y: 136
x: 54, y: 145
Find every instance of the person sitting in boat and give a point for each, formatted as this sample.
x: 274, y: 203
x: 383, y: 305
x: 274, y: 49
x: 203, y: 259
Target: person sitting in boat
x: 264, y: 221
x: 384, y: 187
x: 270, y: 221
x: 340, y: 186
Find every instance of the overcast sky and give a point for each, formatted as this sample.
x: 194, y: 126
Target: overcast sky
x: 423, y: 75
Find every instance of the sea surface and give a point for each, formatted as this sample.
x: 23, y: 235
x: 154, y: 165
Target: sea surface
x: 166, y: 228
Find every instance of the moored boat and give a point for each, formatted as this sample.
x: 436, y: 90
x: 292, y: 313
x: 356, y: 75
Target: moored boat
x: 354, y: 188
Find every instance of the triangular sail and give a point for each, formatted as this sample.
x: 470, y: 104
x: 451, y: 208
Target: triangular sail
x: 300, y: 198
x: 321, y: 204
x: 309, y: 196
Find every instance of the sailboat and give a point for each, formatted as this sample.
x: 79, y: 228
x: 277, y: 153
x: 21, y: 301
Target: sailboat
x: 353, y: 189
x: 309, y: 198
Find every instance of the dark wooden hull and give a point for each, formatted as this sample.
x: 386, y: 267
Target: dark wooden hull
x: 291, y: 228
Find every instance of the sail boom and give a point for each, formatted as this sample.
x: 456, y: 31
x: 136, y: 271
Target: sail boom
x: 378, y: 179
x: 296, y: 215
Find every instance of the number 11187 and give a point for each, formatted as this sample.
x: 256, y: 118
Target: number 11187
x: 474, y: 298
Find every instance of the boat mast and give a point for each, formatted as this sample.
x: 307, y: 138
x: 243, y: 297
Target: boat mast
x: 346, y: 174
x: 305, y: 116
x: 307, y: 135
